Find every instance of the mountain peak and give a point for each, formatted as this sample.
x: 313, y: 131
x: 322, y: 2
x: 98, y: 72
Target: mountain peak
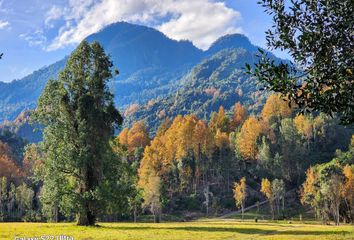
x: 235, y: 40
x: 133, y: 47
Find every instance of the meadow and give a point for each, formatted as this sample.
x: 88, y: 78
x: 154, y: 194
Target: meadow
x: 198, y: 230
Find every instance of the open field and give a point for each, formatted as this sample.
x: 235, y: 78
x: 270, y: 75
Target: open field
x: 200, y: 230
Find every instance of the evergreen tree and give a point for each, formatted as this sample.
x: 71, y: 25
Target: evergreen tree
x: 80, y: 118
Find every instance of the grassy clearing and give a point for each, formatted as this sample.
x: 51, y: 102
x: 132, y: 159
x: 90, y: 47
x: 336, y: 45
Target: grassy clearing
x: 293, y: 214
x: 200, y: 230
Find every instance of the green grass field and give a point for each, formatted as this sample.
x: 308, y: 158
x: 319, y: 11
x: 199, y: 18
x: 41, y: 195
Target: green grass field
x: 199, y: 230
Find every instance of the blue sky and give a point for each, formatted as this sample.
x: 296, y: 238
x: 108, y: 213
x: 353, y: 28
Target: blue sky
x: 35, y: 33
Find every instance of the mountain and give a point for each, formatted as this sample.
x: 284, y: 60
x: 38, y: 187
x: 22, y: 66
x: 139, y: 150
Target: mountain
x: 232, y: 41
x: 23, y: 127
x: 150, y: 65
x: 217, y: 81
x: 159, y: 77
x: 20, y: 95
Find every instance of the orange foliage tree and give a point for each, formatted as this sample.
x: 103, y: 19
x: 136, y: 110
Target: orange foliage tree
x: 275, y: 106
x: 136, y: 137
x: 8, y: 167
x: 348, y: 188
x: 247, y: 138
x: 239, y: 115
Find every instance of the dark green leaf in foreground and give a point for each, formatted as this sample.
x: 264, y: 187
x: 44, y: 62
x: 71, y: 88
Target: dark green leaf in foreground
x: 319, y: 36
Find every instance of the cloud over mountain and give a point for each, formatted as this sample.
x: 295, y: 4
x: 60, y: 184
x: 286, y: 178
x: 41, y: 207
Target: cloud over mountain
x: 201, y: 21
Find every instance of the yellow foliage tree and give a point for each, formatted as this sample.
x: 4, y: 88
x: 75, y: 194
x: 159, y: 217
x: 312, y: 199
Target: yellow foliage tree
x: 275, y: 106
x: 266, y: 189
x: 138, y: 136
x: 348, y: 187
x: 240, y: 194
x: 239, y: 115
x: 203, y: 140
x: 152, y: 196
x: 220, y: 121
x: 247, y: 138
x: 304, y: 125
x: 123, y: 137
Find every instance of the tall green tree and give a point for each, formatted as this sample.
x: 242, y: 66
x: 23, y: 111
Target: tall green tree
x: 318, y: 35
x: 79, y: 114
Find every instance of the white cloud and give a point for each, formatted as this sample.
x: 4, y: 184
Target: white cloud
x: 53, y: 14
x: 201, y: 21
x: 4, y: 24
x: 35, y: 39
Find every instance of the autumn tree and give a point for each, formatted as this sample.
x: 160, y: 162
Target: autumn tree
x: 152, y: 196
x: 275, y: 106
x: 203, y: 147
x: 154, y: 161
x: 3, y: 198
x: 304, y: 125
x: 310, y: 190
x: 240, y: 194
x: 278, y: 189
x: 266, y: 189
x: 79, y: 114
x: 9, y: 168
x: 247, y: 139
x: 222, y: 143
x: 325, y: 189
x: 138, y: 136
x: 220, y: 121
x: 239, y: 115
x: 348, y: 189
x: 331, y: 191
x: 123, y: 136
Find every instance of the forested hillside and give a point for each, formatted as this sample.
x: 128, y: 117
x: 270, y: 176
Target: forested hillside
x: 217, y: 81
x: 194, y: 166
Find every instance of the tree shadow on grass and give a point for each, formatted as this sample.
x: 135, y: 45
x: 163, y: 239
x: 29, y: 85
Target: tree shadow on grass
x: 228, y: 230
x: 194, y: 229
x: 259, y: 231
x: 307, y: 232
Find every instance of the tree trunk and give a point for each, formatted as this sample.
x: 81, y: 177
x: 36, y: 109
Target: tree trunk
x: 56, y: 218
x: 337, y: 215
x: 85, y: 217
x: 157, y: 218
x: 135, y: 213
